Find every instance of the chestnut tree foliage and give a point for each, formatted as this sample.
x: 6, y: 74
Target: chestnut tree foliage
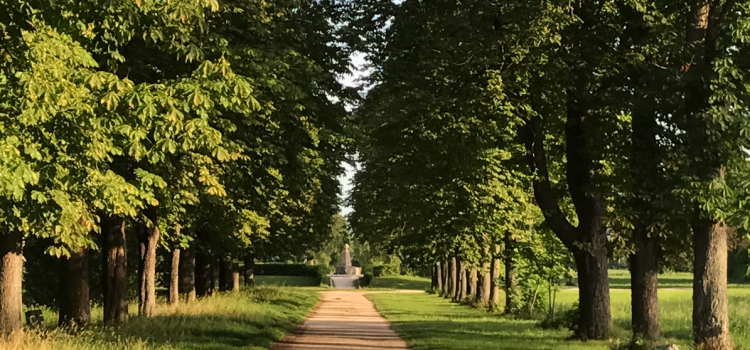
x: 172, y: 119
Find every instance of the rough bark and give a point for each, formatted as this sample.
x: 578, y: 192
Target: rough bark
x: 187, y: 275
x: 451, y: 279
x: 212, y: 276
x: 484, y: 281
x: 433, y: 278
x: 471, y: 282
x: 174, y: 277
x: 593, y: 286
x: 225, y: 275
x: 438, y: 277
x: 582, y: 169
x: 494, y: 288
x: 462, y: 282
x: 710, y: 313
x: 457, y: 278
x: 249, y: 270
x: 235, y: 277
x: 74, y: 304
x: 644, y: 269
x: 115, y: 279
x: 149, y: 239
x: 644, y: 281
x: 511, y: 280
x: 444, y: 267
x: 203, y: 271
x: 11, y: 279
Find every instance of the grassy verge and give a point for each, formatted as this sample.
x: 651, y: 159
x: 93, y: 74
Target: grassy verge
x: 245, y: 320
x: 401, y: 282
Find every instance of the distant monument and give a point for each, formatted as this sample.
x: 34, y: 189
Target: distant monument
x: 346, y: 275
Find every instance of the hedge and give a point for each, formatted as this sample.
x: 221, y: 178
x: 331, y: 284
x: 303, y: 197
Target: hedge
x: 318, y: 272
x: 386, y: 270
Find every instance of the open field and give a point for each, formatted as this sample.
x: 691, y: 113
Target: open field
x: 244, y: 320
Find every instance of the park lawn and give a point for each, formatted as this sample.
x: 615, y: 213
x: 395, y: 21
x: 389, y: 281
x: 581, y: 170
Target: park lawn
x: 675, y: 312
x: 427, y: 321
x: 251, y: 319
x: 621, y: 279
x: 401, y: 282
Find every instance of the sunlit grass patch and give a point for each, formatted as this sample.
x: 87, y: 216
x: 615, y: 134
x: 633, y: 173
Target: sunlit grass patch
x: 401, y: 282
x: 251, y: 319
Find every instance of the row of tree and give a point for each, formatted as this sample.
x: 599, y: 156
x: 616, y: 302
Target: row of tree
x: 620, y: 125
x: 209, y: 127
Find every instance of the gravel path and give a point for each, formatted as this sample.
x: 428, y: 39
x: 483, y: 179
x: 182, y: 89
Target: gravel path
x: 342, y: 320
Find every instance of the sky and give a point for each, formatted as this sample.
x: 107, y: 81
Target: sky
x: 350, y: 80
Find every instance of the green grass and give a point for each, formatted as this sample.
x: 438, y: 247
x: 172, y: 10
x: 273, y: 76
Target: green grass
x: 427, y: 321
x: 430, y: 322
x: 675, y: 313
x: 401, y: 282
x: 290, y: 281
x: 244, y: 320
x: 621, y: 279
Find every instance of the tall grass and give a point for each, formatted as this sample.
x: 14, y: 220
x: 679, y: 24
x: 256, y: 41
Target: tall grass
x: 251, y: 319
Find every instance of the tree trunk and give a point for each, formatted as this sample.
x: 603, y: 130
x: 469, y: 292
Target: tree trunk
x: 212, y: 275
x: 438, y: 277
x: 203, y: 277
x: 484, y: 281
x: 74, y: 304
x: 710, y: 312
x: 187, y: 275
x: 458, y: 279
x: 583, y: 172
x: 174, y: 278
x: 644, y: 268
x: 471, y: 282
x: 235, y: 277
x: 593, y: 294
x: 444, y: 267
x: 494, y: 288
x: 644, y: 281
x: 115, y: 279
x: 225, y: 275
x: 464, y: 283
x: 11, y: 279
x: 149, y: 239
x: 451, y: 279
x: 433, y: 278
x: 249, y: 270
x: 511, y: 280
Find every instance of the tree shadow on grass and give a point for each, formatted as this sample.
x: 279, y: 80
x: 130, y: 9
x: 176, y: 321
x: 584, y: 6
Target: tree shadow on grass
x: 496, y: 334
x: 204, y: 332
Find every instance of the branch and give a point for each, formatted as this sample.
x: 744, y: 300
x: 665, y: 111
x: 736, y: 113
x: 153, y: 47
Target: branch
x: 532, y: 135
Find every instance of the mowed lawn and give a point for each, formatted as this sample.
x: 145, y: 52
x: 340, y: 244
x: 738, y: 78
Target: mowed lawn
x: 401, y: 282
x: 429, y: 322
x: 248, y: 320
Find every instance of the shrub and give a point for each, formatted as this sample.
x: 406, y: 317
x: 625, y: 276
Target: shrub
x: 386, y: 270
x: 366, y: 280
x: 318, y: 272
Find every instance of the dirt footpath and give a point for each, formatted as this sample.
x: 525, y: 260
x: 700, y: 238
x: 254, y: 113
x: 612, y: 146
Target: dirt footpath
x: 342, y: 320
